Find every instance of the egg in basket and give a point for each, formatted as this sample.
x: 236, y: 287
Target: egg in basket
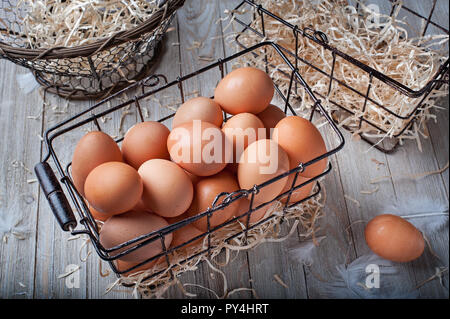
x: 219, y: 166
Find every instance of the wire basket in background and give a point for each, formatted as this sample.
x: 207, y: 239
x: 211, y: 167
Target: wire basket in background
x: 91, y: 70
x: 351, y: 104
x: 156, y: 85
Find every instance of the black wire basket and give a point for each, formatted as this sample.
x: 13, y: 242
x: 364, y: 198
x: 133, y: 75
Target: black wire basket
x: 151, y: 86
x: 319, y: 40
x: 87, y: 71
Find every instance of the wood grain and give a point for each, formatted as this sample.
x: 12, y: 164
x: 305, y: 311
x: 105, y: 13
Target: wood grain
x: 30, y: 267
x: 19, y: 150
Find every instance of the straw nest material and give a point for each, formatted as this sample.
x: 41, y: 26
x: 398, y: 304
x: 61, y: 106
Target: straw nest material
x: 55, y: 23
x: 85, y: 49
x: 387, y: 47
x: 302, y: 218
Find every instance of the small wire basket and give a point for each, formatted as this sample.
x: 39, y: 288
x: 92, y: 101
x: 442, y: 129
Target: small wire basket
x: 148, y: 88
x: 87, y: 71
x: 368, y: 129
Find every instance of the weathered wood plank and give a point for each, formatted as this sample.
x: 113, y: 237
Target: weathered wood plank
x: 439, y: 135
x: 30, y: 267
x: 420, y: 195
x: 19, y: 151
x: 337, y: 246
x: 55, y: 253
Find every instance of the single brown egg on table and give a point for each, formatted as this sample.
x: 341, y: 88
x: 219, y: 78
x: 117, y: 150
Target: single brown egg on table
x: 168, y: 190
x: 199, y: 108
x: 199, y: 148
x: 113, y: 188
x: 255, y: 216
x: 394, y: 238
x: 206, y: 191
x: 300, y: 193
x: 145, y: 141
x: 242, y: 130
x: 270, y: 118
x: 260, y: 162
x: 245, y: 90
x: 94, y: 149
x: 125, y: 227
x: 302, y: 142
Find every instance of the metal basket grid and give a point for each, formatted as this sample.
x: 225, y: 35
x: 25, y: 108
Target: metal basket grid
x: 91, y: 71
x: 149, y: 87
x: 319, y: 39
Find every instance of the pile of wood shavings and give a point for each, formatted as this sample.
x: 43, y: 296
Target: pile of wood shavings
x: 388, y: 48
x: 303, y: 217
x: 51, y: 23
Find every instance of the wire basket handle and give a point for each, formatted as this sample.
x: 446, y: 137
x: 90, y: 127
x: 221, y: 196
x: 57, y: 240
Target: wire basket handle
x: 55, y: 196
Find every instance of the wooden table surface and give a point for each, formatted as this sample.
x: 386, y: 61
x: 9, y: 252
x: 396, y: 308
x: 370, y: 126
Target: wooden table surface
x: 34, y: 252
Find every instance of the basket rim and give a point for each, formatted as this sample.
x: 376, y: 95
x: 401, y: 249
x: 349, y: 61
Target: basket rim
x: 85, y: 219
x: 165, y: 11
x: 315, y: 36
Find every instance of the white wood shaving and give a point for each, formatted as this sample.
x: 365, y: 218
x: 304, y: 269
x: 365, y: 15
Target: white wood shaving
x: 410, y: 176
x: 408, y: 59
x: 372, y: 191
x: 281, y: 282
x: 353, y: 200
x: 51, y: 23
x: 19, y: 235
x: 77, y: 268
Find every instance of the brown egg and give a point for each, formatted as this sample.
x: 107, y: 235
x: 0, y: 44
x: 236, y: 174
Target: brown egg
x: 194, y: 178
x: 270, y: 118
x: 125, y: 227
x: 199, y: 108
x: 206, y: 191
x: 394, y: 238
x: 300, y: 193
x: 245, y: 90
x: 93, y: 149
x: 140, y: 207
x: 302, y: 142
x: 99, y: 216
x: 176, y: 219
x: 124, y: 265
x: 255, y: 216
x: 199, y: 147
x: 145, y: 141
x: 168, y: 191
x: 113, y: 188
x: 242, y: 130
x: 185, y: 234
x: 260, y: 162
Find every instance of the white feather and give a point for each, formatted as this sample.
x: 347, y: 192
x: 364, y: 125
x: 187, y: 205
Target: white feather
x: 429, y: 217
x: 350, y: 281
x: 27, y: 82
x: 301, y: 253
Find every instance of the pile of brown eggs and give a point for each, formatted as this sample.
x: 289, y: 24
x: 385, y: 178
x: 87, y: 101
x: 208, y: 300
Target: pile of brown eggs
x: 157, y: 177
